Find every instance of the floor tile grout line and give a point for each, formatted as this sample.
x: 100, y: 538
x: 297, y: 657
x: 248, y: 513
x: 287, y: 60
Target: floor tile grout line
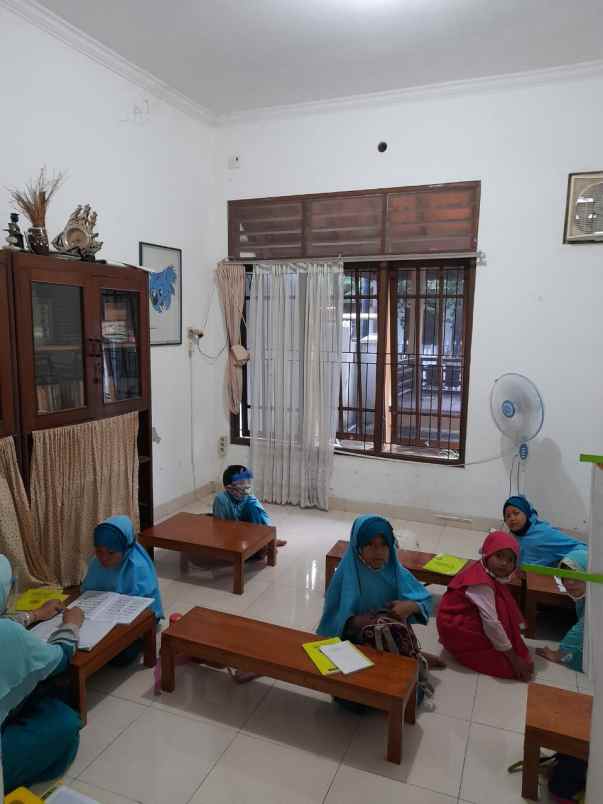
x: 211, y: 768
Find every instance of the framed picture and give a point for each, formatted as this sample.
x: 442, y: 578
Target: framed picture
x: 165, y: 292
x: 584, y: 208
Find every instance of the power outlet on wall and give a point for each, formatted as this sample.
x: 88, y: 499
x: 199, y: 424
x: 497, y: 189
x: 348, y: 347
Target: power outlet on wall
x: 222, y: 444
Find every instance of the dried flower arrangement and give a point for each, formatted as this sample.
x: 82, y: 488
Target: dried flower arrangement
x: 33, y: 203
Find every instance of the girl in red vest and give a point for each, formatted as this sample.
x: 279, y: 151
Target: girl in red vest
x: 478, y: 619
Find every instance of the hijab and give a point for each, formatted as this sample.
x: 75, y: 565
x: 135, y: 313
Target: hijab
x: 356, y: 588
x: 540, y: 542
x: 494, y: 542
x: 24, y: 659
x: 577, y: 560
x: 135, y: 575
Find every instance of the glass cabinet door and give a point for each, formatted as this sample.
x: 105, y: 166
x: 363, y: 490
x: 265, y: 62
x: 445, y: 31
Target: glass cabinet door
x: 58, y: 344
x: 120, y: 349
x: 7, y: 402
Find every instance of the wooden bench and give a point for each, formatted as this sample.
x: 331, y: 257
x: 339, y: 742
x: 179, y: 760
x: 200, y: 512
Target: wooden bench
x: 277, y: 652
x: 555, y: 719
x: 213, y: 539
x: 412, y: 560
x: 87, y: 662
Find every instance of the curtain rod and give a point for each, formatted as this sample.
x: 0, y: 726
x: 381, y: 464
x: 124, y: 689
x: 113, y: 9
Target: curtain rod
x: 448, y: 255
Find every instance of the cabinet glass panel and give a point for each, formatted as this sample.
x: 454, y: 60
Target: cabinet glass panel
x: 58, y: 347
x: 119, y: 329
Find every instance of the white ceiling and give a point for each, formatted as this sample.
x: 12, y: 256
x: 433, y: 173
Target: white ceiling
x: 234, y: 55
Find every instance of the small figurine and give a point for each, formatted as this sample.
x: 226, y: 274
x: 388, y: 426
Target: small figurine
x: 14, y: 238
x: 78, y: 238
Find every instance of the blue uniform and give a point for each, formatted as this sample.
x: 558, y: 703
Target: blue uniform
x: 540, y: 542
x: 249, y: 509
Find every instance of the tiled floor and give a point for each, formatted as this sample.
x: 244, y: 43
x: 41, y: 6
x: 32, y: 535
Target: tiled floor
x: 212, y: 742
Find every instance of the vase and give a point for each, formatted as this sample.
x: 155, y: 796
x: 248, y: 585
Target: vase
x: 38, y: 240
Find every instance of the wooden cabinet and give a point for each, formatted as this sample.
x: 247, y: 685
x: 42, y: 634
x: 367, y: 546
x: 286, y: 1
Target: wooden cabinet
x: 8, y: 413
x: 83, y: 348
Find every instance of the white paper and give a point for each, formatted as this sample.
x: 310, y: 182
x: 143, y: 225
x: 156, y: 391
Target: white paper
x: 66, y: 796
x: 560, y: 585
x: 91, y: 631
x: 111, y: 606
x: 346, y: 656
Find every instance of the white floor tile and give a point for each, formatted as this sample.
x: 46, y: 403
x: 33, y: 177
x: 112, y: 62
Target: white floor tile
x: 288, y: 606
x: 134, y: 683
x: 304, y: 573
x: 260, y: 772
x: 107, y: 718
x: 212, y: 695
x: 432, y: 754
x: 311, y: 722
x: 485, y: 777
x: 352, y: 786
x: 501, y: 703
x: 418, y: 535
x: 554, y: 675
x: 454, y: 691
x: 584, y: 684
x: 160, y: 758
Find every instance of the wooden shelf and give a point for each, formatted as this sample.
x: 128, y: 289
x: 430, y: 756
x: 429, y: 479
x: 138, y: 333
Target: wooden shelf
x: 57, y: 348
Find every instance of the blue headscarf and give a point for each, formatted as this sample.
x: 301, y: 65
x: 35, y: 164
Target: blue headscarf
x: 24, y: 659
x: 539, y: 542
x: 358, y: 589
x: 572, y: 644
x: 135, y: 575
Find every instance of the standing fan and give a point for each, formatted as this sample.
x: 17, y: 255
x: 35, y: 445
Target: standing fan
x: 517, y: 409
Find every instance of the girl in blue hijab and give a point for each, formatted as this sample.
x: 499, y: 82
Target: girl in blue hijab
x: 571, y: 648
x: 40, y: 733
x: 121, y: 564
x: 539, y: 542
x: 370, y: 577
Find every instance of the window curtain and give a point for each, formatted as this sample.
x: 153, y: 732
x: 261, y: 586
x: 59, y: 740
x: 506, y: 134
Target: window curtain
x: 231, y: 285
x: 80, y: 475
x: 294, y: 334
x: 16, y: 531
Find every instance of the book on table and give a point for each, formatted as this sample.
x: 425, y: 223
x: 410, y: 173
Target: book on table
x: 33, y: 599
x: 445, y: 564
x: 346, y: 657
x: 322, y: 662
x: 102, y: 612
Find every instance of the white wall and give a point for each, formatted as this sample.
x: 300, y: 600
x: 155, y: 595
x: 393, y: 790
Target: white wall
x: 151, y: 182
x: 537, y: 304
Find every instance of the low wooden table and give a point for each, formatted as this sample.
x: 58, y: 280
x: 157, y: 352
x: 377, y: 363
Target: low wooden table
x: 213, y: 538
x: 412, y: 560
x: 542, y: 590
x: 276, y: 652
x: 86, y: 662
x: 556, y: 719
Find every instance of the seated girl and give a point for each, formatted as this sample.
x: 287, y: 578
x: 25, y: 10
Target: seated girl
x: 122, y: 565
x: 370, y: 579
x: 571, y: 647
x: 40, y: 733
x: 478, y: 619
x: 539, y: 541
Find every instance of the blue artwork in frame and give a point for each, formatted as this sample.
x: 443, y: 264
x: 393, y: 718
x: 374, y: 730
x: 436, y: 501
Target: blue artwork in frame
x: 165, y: 292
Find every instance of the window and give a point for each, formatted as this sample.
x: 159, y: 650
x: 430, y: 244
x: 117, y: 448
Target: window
x: 405, y: 360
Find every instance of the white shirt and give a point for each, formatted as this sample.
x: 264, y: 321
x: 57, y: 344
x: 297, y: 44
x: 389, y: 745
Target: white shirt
x: 483, y: 597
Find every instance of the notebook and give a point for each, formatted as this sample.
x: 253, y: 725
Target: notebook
x: 63, y: 795
x: 322, y: 662
x: 111, y: 606
x: 346, y: 657
x: 34, y: 598
x: 447, y: 565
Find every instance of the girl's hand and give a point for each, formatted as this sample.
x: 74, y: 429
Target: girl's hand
x: 46, y: 612
x: 523, y: 669
x: 73, y: 616
x: 550, y: 654
x: 403, y: 609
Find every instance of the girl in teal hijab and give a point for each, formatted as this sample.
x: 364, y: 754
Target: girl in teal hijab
x: 370, y: 577
x: 571, y: 648
x: 40, y: 734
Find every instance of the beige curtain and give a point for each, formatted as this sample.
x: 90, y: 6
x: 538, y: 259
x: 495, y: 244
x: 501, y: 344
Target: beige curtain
x: 16, y: 532
x: 80, y: 475
x: 231, y: 285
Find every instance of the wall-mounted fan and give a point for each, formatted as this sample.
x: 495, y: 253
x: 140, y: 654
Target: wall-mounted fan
x: 517, y: 409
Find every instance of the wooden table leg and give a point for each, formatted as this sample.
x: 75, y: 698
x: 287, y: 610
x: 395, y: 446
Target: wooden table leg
x: 394, y: 733
x: 168, y: 667
x: 150, y: 646
x: 410, y: 713
x: 271, y: 554
x: 239, y: 576
x: 531, y: 612
x: 80, y: 698
x: 529, y: 776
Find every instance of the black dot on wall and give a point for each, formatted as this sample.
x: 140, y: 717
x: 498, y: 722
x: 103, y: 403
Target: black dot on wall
x: 382, y: 147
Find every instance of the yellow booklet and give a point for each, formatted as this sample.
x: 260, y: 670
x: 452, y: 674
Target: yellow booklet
x: 322, y: 662
x: 447, y: 565
x: 22, y: 796
x: 34, y: 598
